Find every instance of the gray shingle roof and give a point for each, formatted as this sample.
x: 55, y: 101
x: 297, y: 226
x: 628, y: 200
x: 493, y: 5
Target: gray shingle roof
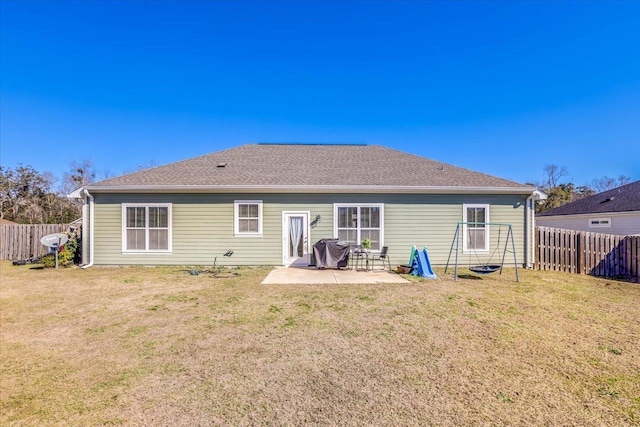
x: 292, y: 165
x: 622, y: 199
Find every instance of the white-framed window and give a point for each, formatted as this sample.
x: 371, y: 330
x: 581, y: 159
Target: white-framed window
x: 247, y: 218
x: 354, y: 222
x: 146, y: 227
x: 599, y: 222
x: 475, y: 236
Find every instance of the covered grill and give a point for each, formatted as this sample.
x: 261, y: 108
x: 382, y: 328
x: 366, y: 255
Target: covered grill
x: 330, y: 253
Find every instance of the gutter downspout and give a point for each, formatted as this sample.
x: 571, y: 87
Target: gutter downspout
x: 531, y: 219
x: 529, y: 215
x: 91, y: 222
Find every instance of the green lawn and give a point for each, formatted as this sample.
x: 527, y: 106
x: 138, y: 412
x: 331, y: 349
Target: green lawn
x: 157, y: 346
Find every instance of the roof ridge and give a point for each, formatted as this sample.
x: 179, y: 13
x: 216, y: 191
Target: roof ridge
x: 329, y: 144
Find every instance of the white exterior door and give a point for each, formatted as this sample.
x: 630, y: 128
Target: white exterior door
x: 295, y: 238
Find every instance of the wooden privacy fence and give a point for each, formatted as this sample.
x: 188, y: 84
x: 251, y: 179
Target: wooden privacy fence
x: 584, y: 252
x: 21, y: 241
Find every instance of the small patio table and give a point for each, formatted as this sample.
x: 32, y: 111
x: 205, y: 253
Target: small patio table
x: 366, y: 253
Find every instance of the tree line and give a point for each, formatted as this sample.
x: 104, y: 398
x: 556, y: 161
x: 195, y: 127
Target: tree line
x: 31, y: 197
x: 560, y: 193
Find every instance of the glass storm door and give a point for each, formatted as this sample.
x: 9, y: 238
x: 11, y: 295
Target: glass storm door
x: 295, y: 237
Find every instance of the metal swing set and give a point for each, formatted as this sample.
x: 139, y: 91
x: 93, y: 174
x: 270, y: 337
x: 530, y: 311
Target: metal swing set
x: 487, y: 268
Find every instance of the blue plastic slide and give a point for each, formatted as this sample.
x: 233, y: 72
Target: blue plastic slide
x: 413, y: 254
x: 421, y: 264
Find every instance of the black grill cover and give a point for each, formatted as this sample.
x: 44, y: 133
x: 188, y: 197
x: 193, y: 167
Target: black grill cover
x: 330, y: 253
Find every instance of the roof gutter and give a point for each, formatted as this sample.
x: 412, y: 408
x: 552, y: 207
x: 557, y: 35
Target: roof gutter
x: 312, y: 189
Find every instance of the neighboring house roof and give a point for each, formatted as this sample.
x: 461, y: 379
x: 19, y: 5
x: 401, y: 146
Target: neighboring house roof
x: 622, y: 199
x: 307, y: 166
x: 7, y: 222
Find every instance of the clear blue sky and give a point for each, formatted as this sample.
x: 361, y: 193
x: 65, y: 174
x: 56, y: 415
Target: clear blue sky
x: 499, y: 87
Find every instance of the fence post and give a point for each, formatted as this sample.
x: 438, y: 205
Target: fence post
x: 635, y: 256
x: 579, y: 250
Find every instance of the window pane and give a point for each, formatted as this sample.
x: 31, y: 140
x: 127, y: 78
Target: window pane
x: 476, y: 215
x: 252, y: 225
x: 248, y: 211
x: 158, y: 240
x: 158, y: 217
x: 373, y: 235
x: 348, y: 236
x: 365, y: 217
x: 375, y: 217
x: 135, y: 217
x: 248, y: 225
x: 153, y: 217
x: 471, y: 215
x: 342, y: 217
x: 347, y: 217
x: 476, y: 239
x: 135, y: 240
x: 369, y: 217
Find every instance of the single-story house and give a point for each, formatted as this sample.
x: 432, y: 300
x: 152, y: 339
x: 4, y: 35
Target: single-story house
x: 615, y: 211
x: 268, y: 204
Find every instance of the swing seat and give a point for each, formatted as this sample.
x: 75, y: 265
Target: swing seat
x: 484, y: 269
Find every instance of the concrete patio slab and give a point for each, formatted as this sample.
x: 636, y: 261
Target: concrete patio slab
x: 313, y: 276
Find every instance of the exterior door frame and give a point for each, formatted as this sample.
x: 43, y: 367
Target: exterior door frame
x: 306, y: 245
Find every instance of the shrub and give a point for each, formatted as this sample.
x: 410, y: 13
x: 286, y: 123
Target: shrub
x: 66, y: 256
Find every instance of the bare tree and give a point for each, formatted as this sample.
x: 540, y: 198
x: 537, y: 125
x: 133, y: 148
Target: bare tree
x: 605, y: 183
x: 105, y: 174
x: 553, y: 174
x: 148, y: 165
x: 80, y: 173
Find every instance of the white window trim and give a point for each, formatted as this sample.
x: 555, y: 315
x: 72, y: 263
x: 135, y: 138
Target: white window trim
x: 236, y: 222
x: 607, y: 225
x: 147, y: 206
x: 359, y: 205
x: 465, y: 248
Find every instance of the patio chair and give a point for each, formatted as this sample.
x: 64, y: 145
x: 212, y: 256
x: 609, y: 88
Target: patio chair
x: 356, y: 256
x: 383, y: 256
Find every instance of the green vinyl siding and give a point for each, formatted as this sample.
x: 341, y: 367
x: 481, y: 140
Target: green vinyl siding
x: 433, y: 224
x: 203, y: 228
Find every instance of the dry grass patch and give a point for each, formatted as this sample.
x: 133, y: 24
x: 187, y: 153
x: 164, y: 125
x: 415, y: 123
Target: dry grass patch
x: 156, y: 346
